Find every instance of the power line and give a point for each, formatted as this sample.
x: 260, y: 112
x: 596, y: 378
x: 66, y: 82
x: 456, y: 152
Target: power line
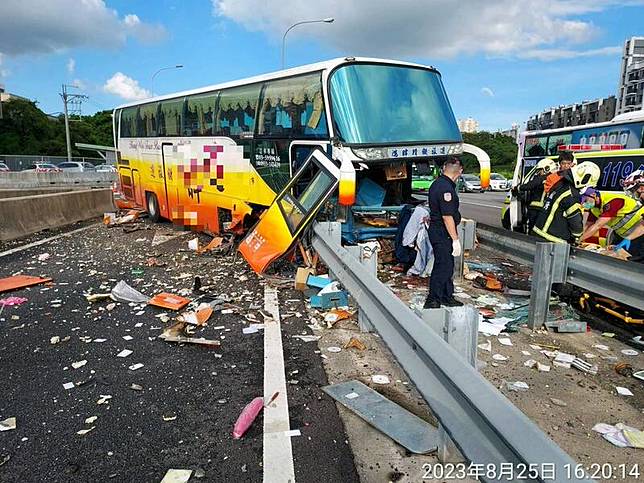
x: 72, y: 104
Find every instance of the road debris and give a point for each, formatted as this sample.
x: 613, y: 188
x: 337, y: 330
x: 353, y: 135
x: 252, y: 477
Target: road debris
x: 104, y: 399
x: 136, y: 387
x: 169, y: 301
x: 134, y: 367
x: 247, y: 417
x: 630, y: 352
x: 12, y: 301
x: 124, y: 353
x: 623, y: 391
x: 334, y: 349
x: 380, y: 379
x: 621, y: 435
x: 517, y: 386
x: 91, y: 419
x: 177, y: 476
x: 355, y: 344
x: 79, y: 364
x: 122, y: 292
x: 83, y: 432
x: 20, y: 281
x: 307, y: 338
x: 8, y: 424
x: 69, y: 385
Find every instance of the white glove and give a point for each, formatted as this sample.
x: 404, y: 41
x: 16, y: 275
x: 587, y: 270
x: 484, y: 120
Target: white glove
x: 456, y: 248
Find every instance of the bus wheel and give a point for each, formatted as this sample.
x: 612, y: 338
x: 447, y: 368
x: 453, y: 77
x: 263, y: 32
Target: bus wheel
x: 153, y: 207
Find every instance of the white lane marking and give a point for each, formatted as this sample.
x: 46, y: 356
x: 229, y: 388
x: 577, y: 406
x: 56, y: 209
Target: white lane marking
x: 46, y: 240
x: 278, y: 452
x: 480, y: 204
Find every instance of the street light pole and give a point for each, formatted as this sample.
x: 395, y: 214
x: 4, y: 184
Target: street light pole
x: 178, y: 66
x: 323, y: 20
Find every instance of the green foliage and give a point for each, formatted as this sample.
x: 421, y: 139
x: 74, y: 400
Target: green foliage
x: 25, y: 129
x: 501, y: 149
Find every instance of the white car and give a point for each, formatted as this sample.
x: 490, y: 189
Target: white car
x: 105, y: 168
x: 76, y: 167
x: 498, y: 182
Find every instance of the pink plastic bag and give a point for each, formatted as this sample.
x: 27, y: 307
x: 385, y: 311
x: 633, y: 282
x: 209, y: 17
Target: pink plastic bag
x: 247, y: 416
x: 13, y: 301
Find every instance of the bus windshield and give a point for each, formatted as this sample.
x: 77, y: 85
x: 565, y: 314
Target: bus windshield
x: 381, y: 104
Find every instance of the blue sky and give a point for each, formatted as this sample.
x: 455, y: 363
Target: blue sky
x: 501, y: 61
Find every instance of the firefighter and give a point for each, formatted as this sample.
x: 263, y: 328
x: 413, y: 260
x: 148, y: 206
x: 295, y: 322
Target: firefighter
x: 561, y: 220
x: 618, y: 211
x: 533, y: 189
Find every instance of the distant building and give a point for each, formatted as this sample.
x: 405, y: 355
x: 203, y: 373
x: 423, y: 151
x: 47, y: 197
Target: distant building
x: 631, y: 76
x: 513, y: 132
x: 586, y: 112
x: 469, y: 125
x: 6, y: 96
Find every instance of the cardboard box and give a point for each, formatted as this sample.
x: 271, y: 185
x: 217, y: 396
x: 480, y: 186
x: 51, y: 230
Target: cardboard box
x: 396, y: 171
x: 301, y: 276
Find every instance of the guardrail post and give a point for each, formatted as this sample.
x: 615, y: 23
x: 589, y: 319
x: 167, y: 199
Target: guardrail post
x: 466, y: 234
x: 370, y: 262
x: 550, y: 266
x: 458, y: 326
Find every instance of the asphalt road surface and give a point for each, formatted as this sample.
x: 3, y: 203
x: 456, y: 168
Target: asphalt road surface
x: 183, y: 413
x: 483, y: 207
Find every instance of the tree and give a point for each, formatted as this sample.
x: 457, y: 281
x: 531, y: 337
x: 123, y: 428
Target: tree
x: 501, y: 149
x: 25, y: 129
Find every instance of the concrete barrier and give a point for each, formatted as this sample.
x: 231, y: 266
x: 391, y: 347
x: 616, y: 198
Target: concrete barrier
x: 25, y: 215
x: 17, y: 193
x: 31, y: 179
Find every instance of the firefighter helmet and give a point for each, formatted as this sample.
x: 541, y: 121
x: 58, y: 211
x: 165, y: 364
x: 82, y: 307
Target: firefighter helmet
x: 547, y: 165
x: 585, y: 174
x: 634, y: 181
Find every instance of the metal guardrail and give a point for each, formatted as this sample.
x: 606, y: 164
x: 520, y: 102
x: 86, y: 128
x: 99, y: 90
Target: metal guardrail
x: 617, y: 279
x: 486, y: 427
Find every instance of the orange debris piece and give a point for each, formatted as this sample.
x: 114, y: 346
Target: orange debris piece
x: 20, y: 281
x: 169, y: 301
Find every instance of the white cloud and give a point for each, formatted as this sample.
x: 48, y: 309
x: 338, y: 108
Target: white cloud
x: 44, y: 26
x: 126, y: 88
x: 430, y: 28
x: 560, y: 54
x: 71, y: 65
x: 486, y: 91
x: 3, y: 72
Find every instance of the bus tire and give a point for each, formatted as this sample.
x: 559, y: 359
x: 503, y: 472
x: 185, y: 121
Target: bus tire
x: 153, y: 207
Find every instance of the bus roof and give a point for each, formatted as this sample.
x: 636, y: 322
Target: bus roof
x: 326, y: 65
x: 621, y: 119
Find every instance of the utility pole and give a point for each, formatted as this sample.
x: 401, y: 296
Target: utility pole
x: 74, y: 101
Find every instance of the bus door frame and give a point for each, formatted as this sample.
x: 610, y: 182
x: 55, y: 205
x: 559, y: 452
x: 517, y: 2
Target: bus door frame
x: 165, y: 177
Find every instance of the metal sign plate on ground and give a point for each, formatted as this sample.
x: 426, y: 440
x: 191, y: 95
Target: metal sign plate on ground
x: 405, y: 428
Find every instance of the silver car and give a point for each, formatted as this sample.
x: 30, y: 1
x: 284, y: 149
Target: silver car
x: 77, y: 167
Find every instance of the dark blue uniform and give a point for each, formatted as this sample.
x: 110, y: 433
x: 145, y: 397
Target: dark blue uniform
x: 443, y: 201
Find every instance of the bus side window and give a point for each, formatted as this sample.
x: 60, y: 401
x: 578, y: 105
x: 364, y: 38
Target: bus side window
x: 200, y: 114
x: 293, y: 109
x: 237, y: 109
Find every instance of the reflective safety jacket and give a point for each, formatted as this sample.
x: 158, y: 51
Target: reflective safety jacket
x: 561, y: 219
x: 535, y: 192
x: 627, y: 218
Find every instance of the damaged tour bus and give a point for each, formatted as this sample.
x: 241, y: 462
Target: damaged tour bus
x: 266, y: 154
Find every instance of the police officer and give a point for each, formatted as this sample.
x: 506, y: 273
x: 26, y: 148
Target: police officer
x: 444, y: 218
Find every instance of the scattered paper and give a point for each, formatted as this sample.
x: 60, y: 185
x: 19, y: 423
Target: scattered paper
x: 333, y: 349
x: 127, y: 337
x: 558, y: 402
x: 8, y: 424
x: 629, y: 352
x: 505, y: 341
x: 490, y: 329
x: 177, y: 476
x: 85, y: 431
x: 499, y: 357
x: 601, y: 347
x: 307, y: 338
x: 518, y: 386
x: 78, y: 364
x: 68, y: 385
x: 352, y: 395
x: 543, y: 367
x: 104, y: 399
x: 530, y: 363
x: 124, y: 353
x: 564, y: 357
x: 525, y: 353
x: 380, y: 379
x: 486, y: 346
x: 91, y: 419
x: 134, y: 367
x: 623, y: 391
